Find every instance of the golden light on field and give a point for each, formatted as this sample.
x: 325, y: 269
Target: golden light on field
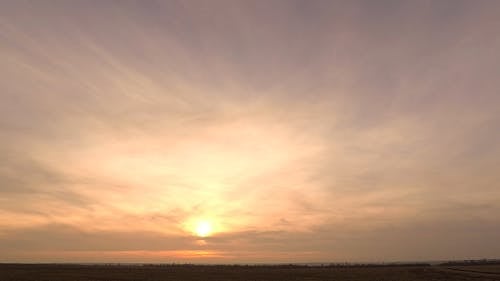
x: 203, y: 229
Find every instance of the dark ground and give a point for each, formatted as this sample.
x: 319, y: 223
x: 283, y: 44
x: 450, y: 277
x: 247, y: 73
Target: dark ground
x: 58, y: 272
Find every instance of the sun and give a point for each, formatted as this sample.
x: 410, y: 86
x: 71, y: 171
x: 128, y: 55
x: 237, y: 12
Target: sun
x: 203, y: 229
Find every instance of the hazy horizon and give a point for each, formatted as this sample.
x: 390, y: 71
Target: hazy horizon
x: 249, y: 131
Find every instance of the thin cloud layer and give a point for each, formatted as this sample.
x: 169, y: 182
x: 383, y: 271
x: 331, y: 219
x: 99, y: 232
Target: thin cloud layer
x: 301, y: 130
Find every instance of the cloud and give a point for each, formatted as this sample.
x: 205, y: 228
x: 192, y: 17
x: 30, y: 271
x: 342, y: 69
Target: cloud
x: 312, y: 130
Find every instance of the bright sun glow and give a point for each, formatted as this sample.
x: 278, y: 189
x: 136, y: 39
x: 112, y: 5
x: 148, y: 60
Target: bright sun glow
x: 203, y: 229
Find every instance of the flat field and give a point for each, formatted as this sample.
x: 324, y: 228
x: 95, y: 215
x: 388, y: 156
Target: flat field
x: 480, y: 268
x: 58, y: 272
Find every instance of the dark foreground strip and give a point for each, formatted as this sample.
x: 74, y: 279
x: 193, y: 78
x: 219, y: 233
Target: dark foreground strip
x: 473, y: 271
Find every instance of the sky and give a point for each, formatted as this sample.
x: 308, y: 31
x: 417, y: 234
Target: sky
x: 249, y: 131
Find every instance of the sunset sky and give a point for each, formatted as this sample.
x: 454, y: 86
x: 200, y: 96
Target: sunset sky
x: 249, y: 131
